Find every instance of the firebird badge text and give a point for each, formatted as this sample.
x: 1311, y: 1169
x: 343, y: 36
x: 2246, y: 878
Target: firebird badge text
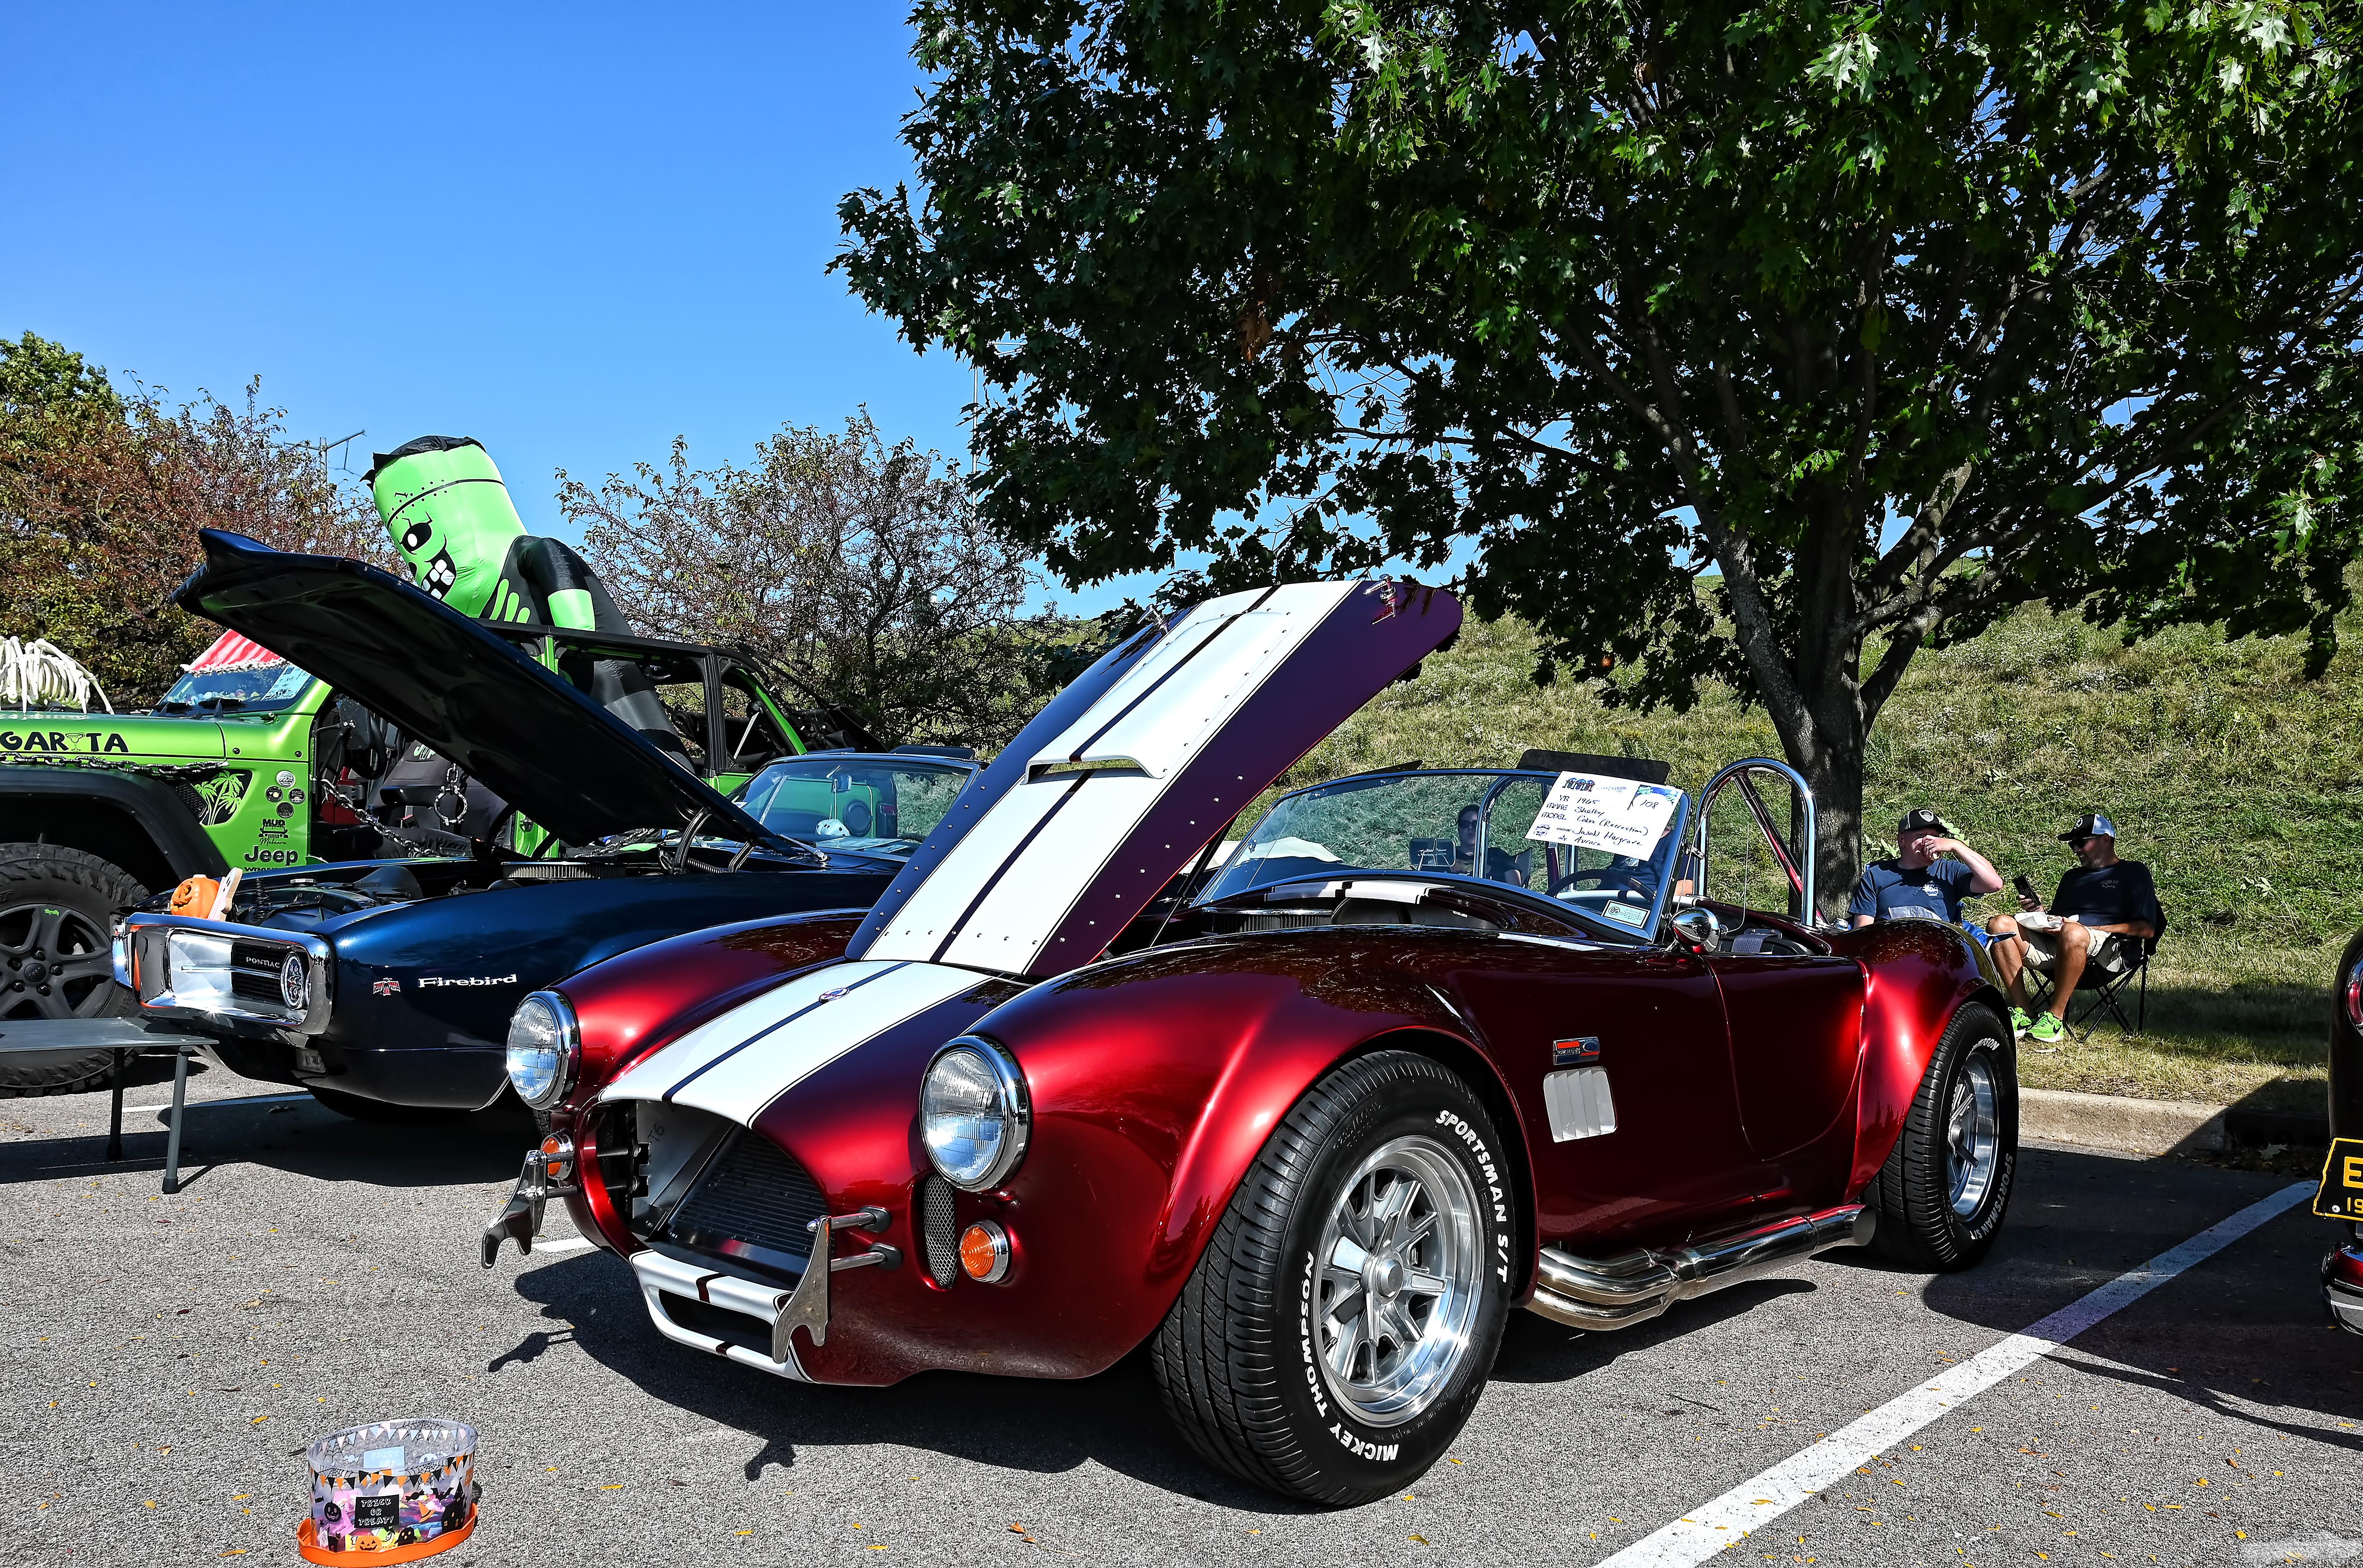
x: 426, y: 980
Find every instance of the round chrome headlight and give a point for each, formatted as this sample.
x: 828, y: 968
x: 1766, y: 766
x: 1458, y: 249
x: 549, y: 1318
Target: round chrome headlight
x: 975, y: 1114
x: 544, y: 1047
x: 296, y: 982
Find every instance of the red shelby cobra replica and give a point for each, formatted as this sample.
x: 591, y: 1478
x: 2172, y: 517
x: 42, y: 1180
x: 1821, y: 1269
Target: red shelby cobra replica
x: 1428, y: 1045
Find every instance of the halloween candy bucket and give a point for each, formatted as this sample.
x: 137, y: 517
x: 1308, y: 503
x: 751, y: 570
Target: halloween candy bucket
x: 390, y: 1492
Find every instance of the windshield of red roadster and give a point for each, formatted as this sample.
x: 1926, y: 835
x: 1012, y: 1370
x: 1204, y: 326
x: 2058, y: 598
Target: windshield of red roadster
x: 1605, y: 845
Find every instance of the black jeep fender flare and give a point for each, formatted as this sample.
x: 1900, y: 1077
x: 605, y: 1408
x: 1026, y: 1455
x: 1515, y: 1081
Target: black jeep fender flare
x: 138, y: 822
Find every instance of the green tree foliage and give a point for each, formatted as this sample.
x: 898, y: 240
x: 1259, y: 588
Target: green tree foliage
x: 857, y: 564
x: 1771, y: 341
x: 102, y: 493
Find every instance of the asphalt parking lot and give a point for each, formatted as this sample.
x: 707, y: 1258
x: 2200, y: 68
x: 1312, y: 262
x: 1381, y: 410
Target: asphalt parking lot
x: 167, y: 1358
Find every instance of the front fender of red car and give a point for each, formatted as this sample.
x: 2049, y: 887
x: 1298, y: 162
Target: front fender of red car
x: 1917, y: 975
x: 636, y: 1002
x: 1154, y: 1081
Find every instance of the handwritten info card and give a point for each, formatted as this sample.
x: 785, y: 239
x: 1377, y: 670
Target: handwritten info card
x: 1617, y: 815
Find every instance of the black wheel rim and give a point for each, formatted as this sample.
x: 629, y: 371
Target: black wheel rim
x: 55, y: 962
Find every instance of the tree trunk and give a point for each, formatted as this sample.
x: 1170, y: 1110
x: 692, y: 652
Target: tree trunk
x: 1823, y: 736
x: 1835, y: 775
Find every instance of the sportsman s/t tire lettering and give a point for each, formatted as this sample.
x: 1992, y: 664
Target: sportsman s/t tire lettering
x: 57, y: 911
x: 1946, y: 1184
x: 1383, y: 1200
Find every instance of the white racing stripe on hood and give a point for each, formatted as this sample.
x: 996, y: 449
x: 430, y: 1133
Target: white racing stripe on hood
x: 1001, y: 893
x: 736, y: 1065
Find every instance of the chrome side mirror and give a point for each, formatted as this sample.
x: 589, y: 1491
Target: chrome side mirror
x: 1698, y: 929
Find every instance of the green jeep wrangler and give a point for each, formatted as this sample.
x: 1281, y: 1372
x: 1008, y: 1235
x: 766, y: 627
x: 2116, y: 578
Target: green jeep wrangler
x: 249, y: 762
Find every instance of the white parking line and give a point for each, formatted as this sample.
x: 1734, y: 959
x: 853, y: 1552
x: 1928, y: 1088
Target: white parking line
x: 1704, y: 1531
x: 577, y: 1243
x: 223, y: 1099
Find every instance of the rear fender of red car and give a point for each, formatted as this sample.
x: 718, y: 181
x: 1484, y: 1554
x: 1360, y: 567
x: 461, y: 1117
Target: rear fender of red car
x: 1917, y: 976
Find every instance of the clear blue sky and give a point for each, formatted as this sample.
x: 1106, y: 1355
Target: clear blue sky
x: 570, y: 232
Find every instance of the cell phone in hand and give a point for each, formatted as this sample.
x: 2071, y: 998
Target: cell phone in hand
x: 2026, y: 886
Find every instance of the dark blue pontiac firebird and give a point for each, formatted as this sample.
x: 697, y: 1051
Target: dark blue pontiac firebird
x: 385, y: 986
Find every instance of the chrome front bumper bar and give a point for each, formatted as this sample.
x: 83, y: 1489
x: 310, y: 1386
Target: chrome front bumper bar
x: 660, y: 1277
x: 806, y: 1307
x: 520, y: 1220
x: 143, y: 965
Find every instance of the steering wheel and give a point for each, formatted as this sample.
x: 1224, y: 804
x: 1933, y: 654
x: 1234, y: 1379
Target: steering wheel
x: 1622, y: 881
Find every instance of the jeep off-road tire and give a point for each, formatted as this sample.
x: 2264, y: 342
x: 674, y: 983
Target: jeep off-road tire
x: 1946, y: 1186
x: 1255, y: 1358
x: 57, y: 911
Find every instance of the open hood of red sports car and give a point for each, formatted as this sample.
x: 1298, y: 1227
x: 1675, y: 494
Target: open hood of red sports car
x: 1119, y: 784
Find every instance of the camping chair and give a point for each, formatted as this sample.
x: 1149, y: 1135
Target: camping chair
x: 2104, y: 989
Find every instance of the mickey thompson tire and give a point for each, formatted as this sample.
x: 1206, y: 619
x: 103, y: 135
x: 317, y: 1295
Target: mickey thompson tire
x: 1379, y: 1200
x: 1945, y: 1186
x: 57, y: 911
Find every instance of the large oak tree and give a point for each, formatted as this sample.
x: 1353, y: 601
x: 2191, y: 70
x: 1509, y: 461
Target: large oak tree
x: 103, y: 489
x: 1767, y: 342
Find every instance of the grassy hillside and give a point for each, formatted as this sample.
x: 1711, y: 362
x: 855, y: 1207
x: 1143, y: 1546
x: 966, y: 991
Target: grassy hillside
x: 2238, y: 782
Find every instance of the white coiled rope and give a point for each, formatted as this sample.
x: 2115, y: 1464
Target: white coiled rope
x: 39, y: 674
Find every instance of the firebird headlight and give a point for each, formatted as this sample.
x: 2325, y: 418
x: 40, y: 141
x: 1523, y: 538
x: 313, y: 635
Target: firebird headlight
x: 975, y: 1114
x: 544, y: 1047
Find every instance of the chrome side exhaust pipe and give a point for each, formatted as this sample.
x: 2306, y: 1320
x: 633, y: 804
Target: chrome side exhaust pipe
x: 1632, y: 1287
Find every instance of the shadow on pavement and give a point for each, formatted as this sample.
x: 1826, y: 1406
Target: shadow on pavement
x: 299, y: 1137
x: 1116, y: 1419
x: 2244, y: 1333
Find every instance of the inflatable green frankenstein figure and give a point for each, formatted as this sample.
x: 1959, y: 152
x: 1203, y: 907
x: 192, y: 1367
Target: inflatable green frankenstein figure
x: 451, y: 517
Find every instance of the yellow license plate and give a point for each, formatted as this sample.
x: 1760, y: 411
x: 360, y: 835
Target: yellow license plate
x: 2340, y: 1196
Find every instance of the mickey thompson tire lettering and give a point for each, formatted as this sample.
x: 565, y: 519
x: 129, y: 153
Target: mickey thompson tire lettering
x: 1238, y: 1356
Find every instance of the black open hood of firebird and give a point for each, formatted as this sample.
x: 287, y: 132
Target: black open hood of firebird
x: 455, y: 685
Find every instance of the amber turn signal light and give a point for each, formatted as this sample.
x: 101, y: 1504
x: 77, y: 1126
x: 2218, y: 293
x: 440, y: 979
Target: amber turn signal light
x: 558, y: 1156
x: 984, y: 1251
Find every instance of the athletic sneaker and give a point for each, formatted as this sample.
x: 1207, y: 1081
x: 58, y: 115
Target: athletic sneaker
x: 2019, y: 1022
x: 2048, y: 1029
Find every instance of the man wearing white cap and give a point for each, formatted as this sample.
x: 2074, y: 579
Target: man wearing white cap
x: 2104, y: 908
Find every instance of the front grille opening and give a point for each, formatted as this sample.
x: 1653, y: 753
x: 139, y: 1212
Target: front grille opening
x: 940, y: 1230
x: 254, y: 971
x: 719, y: 1322
x: 754, y: 1199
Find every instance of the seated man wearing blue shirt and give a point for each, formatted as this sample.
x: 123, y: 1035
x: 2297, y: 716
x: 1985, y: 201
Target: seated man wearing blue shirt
x: 1920, y: 877
x: 2106, y: 907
